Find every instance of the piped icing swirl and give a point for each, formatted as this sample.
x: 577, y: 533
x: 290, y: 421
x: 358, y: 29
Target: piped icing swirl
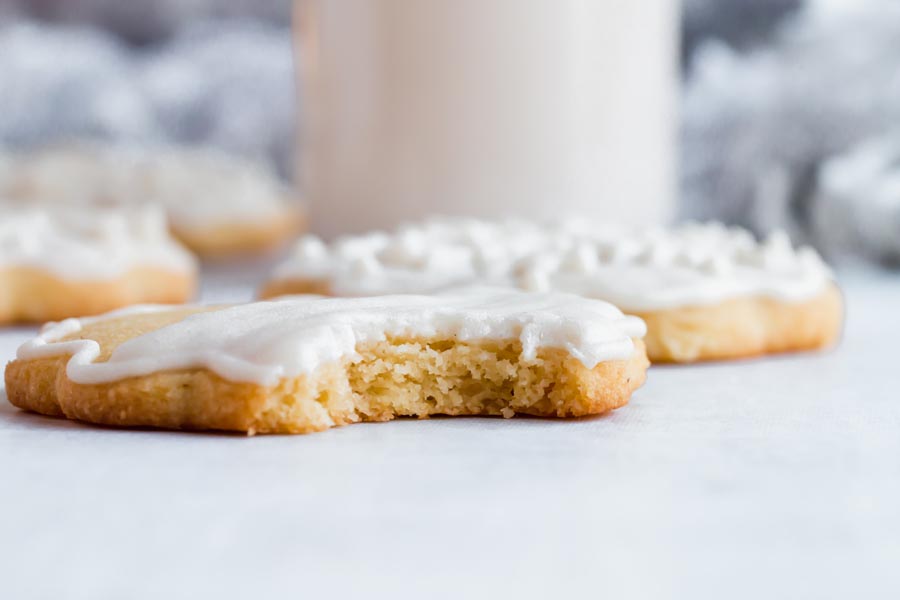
x: 89, y: 243
x: 263, y: 342
x: 634, y: 268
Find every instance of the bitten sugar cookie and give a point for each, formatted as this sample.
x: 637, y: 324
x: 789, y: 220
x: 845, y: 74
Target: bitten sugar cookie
x: 306, y: 363
x: 215, y: 203
x: 706, y: 291
x: 60, y: 263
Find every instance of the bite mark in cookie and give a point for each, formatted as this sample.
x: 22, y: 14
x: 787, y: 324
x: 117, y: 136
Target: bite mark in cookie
x: 305, y: 364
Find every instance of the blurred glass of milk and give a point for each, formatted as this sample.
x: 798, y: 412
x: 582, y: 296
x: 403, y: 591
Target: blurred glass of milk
x: 535, y: 108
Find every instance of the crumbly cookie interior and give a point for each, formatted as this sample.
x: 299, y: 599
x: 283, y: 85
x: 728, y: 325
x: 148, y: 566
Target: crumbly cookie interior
x: 416, y: 378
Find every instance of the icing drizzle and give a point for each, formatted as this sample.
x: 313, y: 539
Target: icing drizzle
x: 263, y: 342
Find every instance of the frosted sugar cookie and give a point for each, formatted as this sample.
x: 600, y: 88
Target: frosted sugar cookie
x: 215, y: 203
x: 706, y: 291
x: 416, y: 258
x: 307, y: 363
x: 65, y: 262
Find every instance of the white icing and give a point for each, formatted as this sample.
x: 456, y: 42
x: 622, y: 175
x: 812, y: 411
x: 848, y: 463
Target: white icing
x: 89, y: 243
x: 263, y: 342
x: 198, y: 188
x: 423, y: 258
x: 634, y: 268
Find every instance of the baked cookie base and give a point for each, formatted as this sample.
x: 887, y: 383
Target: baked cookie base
x: 289, y: 287
x: 743, y: 328
x: 394, y: 378
x: 237, y: 238
x: 33, y: 295
x: 739, y: 328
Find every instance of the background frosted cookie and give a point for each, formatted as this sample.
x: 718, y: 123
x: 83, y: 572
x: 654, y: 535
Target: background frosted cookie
x: 305, y: 364
x: 215, y: 203
x: 62, y: 263
x: 416, y: 258
x: 706, y: 291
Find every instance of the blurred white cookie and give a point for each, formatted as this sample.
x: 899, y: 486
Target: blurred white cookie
x: 69, y: 262
x: 215, y: 203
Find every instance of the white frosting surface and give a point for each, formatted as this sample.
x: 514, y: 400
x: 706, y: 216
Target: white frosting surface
x: 198, y: 188
x: 634, y: 268
x: 89, y: 243
x: 263, y: 342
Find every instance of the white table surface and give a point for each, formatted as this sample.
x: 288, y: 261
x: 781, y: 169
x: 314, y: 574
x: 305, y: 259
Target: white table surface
x: 776, y: 478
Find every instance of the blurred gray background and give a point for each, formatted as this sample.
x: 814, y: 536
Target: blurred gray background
x: 790, y: 111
